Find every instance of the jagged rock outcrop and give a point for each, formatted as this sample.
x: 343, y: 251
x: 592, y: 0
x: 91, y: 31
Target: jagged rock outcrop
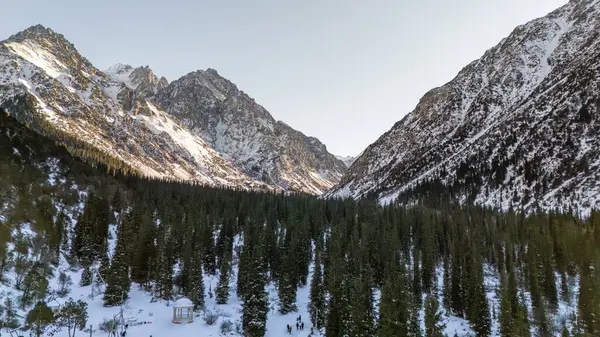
x: 517, y: 128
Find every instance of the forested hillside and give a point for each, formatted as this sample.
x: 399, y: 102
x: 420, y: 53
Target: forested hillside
x: 370, y: 270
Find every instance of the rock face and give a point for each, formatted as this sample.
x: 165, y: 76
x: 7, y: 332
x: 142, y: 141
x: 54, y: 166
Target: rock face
x: 517, y: 128
x: 120, y: 113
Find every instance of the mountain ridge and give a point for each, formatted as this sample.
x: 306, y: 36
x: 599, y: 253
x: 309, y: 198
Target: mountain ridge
x: 477, y: 137
x: 116, y: 112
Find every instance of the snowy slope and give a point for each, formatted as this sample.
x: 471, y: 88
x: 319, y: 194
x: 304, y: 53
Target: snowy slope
x: 516, y: 128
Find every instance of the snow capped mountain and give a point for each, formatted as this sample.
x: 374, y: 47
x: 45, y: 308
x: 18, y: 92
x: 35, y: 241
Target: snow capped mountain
x: 245, y: 133
x: 47, y: 84
x: 518, y: 127
x: 348, y: 160
x: 141, y: 79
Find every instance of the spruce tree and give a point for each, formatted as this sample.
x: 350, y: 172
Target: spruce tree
x: 589, y: 299
x: 447, y: 285
x: 361, y: 308
x: 479, y: 311
x: 163, y: 269
x: 145, y: 248
x: 210, y: 263
x: 104, y: 263
x: 395, y: 305
x: 457, y: 305
x: 194, y: 283
x: 414, y: 328
x: 117, y: 278
x: 434, y: 326
x: 316, y: 307
x: 256, y: 302
x: 40, y: 317
x: 288, y: 281
x: 222, y: 291
x: 417, y: 287
x: 86, y: 276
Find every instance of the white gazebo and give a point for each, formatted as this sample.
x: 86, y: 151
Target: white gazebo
x: 183, y: 311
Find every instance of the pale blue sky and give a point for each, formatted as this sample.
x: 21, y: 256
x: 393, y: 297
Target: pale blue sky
x: 341, y: 70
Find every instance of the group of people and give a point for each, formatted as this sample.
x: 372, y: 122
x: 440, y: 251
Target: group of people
x: 299, y: 325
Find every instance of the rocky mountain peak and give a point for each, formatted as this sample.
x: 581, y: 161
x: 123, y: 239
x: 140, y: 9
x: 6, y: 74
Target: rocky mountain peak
x: 141, y: 80
x: 38, y: 32
x: 244, y: 132
x: 119, y: 68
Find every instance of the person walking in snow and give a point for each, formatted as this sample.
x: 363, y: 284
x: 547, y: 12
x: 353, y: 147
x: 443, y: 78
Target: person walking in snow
x: 302, y: 326
x: 297, y: 326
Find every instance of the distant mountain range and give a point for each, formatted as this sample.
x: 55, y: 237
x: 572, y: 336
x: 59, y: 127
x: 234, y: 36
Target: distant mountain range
x: 200, y: 128
x: 519, y: 127
x: 347, y: 160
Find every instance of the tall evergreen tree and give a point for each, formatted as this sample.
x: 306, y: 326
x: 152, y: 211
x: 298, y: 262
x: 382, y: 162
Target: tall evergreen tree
x: 479, y: 311
x: 222, y: 291
x: 395, y: 305
x: 316, y: 307
x: 194, y: 281
x: 256, y: 302
x: 117, y: 278
x: 288, y: 280
x: 434, y: 326
x: 361, y: 307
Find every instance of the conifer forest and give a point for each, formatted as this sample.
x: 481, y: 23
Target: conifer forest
x: 372, y: 270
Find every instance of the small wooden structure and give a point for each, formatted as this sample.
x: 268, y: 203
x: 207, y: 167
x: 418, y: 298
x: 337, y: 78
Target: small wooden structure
x: 183, y: 311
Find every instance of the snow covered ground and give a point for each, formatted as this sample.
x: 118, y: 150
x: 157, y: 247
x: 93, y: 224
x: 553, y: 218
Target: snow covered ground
x: 157, y: 315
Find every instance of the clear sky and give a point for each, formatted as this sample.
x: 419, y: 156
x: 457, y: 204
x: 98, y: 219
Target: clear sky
x: 341, y: 70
